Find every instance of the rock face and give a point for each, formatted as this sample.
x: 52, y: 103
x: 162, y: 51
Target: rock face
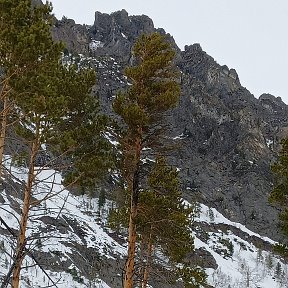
x: 227, y: 139
x: 118, y: 31
x: 74, y: 35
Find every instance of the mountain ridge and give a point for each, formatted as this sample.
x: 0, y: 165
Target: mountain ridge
x: 225, y: 124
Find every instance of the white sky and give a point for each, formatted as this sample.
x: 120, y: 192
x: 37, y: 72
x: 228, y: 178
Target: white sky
x: 248, y: 35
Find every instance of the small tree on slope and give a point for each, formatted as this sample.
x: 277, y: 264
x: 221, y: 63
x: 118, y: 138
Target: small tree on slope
x: 164, y: 223
x: 163, y: 228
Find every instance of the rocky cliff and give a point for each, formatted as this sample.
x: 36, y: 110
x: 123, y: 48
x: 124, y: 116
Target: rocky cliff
x: 226, y: 138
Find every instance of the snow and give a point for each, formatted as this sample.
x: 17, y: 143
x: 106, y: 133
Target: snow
x: 74, y: 206
x: 181, y: 136
x: 243, y: 265
x: 219, y: 218
x: 124, y: 36
x: 239, y: 262
x: 94, y: 45
x: 269, y: 143
x: 58, y: 202
x: 111, y: 139
x: 146, y: 160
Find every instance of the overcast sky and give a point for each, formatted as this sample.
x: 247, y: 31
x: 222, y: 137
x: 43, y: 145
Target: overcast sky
x: 248, y: 35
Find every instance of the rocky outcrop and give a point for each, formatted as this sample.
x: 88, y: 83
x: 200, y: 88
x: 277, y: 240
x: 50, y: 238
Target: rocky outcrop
x: 36, y: 2
x: 74, y: 36
x: 115, y: 33
x: 227, y: 139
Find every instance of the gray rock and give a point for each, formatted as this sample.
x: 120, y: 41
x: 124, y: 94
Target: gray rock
x: 230, y: 138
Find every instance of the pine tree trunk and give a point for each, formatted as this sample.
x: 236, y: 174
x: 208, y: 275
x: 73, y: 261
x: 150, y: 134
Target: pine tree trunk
x: 148, y: 262
x: 142, y: 254
x: 130, y: 264
x: 4, y: 115
x: 21, y: 241
x: 133, y: 186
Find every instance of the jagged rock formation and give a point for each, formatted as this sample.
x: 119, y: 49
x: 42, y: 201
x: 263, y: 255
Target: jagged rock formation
x: 228, y: 137
x: 229, y: 141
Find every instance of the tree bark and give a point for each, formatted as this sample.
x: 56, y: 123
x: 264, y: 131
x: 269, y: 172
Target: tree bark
x: 130, y: 264
x: 148, y: 261
x: 21, y: 240
x: 142, y: 254
x: 4, y: 115
x: 133, y: 186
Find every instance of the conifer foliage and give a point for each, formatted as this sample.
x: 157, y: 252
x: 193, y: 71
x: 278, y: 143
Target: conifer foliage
x: 162, y: 196
x: 25, y: 41
x: 164, y: 224
x: 279, y: 194
x: 49, y: 103
x: 153, y: 91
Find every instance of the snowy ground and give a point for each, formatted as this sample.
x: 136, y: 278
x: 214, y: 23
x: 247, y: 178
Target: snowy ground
x: 60, y: 202
x: 240, y: 263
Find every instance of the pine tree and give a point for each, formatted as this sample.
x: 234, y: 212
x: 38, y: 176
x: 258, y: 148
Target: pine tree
x: 164, y: 222
x: 45, y: 112
x: 25, y: 44
x: 278, y: 270
x: 269, y: 261
x: 81, y: 133
x: 51, y: 103
x: 279, y: 194
x: 24, y: 40
x: 163, y: 227
x: 154, y: 90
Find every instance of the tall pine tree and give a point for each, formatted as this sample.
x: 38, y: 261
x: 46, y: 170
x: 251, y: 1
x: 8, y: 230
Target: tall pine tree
x: 163, y: 228
x: 24, y: 42
x: 154, y: 90
x: 51, y: 103
x: 279, y: 194
x: 164, y: 222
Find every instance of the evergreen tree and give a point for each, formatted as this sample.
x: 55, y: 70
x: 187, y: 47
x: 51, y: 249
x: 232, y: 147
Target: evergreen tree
x: 24, y: 42
x: 163, y: 227
x: 154, y: 90
x: 51, y: 103
x: 164, y: 222
x: 81, y: 133
x: 269, y: 261
x: 281, y: 249
x: 279, y: 194
x: 278, y: 270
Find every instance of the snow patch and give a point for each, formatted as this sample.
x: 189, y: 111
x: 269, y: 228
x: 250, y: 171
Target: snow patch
x: 95, y: 44
x: 124, y: 36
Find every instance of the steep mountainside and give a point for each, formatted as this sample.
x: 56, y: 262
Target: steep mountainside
x: 225, y: 137
x: 75, y: 248
x: 225, y: 140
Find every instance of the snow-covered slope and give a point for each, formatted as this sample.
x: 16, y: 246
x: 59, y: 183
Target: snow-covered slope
x: 241, y: 262
x: 69, y: 238
x: 56, y: 227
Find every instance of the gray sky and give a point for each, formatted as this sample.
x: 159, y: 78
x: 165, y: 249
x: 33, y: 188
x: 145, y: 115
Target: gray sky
x: 248, y: 35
